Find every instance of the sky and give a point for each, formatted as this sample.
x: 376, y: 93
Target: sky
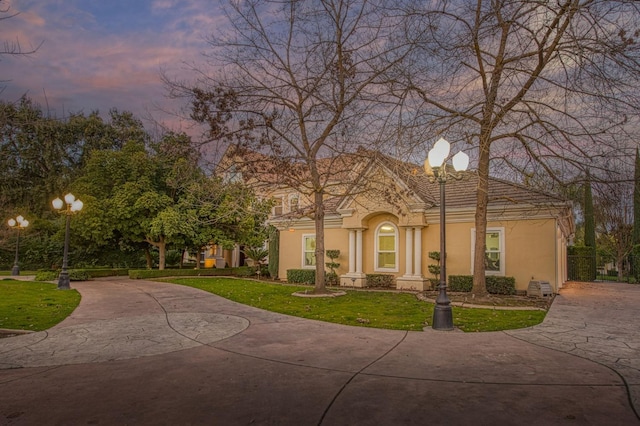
x: 103, y: 54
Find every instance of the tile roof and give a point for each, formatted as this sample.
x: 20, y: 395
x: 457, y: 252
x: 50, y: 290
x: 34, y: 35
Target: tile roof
x: 461, y: 194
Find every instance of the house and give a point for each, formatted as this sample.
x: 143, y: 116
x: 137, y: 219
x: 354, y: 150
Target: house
x: 385, y: 219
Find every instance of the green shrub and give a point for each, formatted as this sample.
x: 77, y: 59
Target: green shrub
x: 78, y: 275
x: 495, y: 285
x: 379, y: 280
x: 301, y: 276
x: 460, y: 283
x: 331, y: 278
x: 46, y: 275
x: 501, y: 285
x: 156, y: 273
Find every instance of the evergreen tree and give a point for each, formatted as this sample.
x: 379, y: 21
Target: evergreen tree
x: 636, y: 201
x: 589, y: 228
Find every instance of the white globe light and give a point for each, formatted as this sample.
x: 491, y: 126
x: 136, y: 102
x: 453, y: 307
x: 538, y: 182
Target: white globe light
x: 12, y: 222
x: 57, y: 203
x: 439, y: 153
x: 77, y: 206
x: 25, y: 223
x: 460, y: 161
x: 69, y: 198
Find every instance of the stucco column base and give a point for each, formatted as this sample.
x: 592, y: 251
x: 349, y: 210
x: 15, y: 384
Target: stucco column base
x: 413, y: 283
x: 353, y: 280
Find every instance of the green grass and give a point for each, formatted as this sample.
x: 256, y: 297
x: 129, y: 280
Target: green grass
x: 390, y: 310
x: 470, y: 320
x: 36, y: 306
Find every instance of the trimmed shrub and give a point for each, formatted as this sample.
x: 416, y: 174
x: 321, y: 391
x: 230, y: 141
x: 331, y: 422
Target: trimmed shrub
x: 495, y: 285
x: 460, y: 283
x: 156, y: 273
x: 379, y: 280
x: 301, y: 276
x: 46, y: 275
x: 501, y: 285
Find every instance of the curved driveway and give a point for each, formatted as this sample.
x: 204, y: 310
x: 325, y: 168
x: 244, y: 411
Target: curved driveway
x: 140, y: 352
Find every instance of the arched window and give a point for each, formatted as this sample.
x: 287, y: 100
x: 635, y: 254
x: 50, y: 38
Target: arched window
x: 386, y: 247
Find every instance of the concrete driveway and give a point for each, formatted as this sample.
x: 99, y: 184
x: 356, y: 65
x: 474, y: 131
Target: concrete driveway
x: 138, y: 352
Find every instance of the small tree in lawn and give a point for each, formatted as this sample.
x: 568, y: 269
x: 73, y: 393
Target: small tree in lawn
x: 435, y: 269
x: 258, y: 255
x: 332, y: 276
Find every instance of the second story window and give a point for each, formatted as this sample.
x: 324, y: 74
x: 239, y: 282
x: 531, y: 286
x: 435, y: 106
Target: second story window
x: 278, y: 206
x: 294, y: 203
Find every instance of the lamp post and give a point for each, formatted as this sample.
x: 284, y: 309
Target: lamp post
x: 435, y: 166
x: 72, y: 205
x: 18, y: 223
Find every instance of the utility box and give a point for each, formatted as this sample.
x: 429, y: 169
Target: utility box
x: 539, y: 289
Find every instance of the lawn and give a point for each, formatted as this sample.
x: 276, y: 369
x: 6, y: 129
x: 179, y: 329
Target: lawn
x: 390, y: 310
x: 29, y: 305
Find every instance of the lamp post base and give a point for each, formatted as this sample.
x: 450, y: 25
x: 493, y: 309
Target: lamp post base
x: 442, y: 313
x: 15, y: 270
x: 442, y: 318
x: 63, y: 281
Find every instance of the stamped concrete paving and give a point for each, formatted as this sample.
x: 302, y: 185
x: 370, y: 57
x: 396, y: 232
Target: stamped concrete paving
x: 596, y: 321
x: 137, y: 352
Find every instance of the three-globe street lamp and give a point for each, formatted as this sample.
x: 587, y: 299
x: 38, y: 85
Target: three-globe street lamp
x: 72, y: 205
x: 435, y: 166
x: 18, y: 223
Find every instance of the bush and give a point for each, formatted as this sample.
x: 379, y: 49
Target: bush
x: 46, y: 275
x: 301, y: 276
x: 331, y: 278
x: 78, y: 275
x: 379, y: 280
x: 501, y: 285
x: 495, y: 285
x: 460, y: 283
x: 156, y: 273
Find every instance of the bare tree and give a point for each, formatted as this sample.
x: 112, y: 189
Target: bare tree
x: 530, y: 86
x: 613, y: 211
x: 301, y: 83
x: 12, y: 47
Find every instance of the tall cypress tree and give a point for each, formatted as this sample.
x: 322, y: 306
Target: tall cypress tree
x: 635, y: 236
x: 589, y: 229
x: 636, y: 201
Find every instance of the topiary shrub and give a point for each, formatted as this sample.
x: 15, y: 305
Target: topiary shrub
x: 301, y: 276
x: 379, y: 280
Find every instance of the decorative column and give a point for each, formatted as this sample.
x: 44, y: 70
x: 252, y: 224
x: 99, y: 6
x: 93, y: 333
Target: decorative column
x: 359, y: 251
x: 417, y: 252
x: 352, y: 251
x: 408, y: 271
x: 355, y: 277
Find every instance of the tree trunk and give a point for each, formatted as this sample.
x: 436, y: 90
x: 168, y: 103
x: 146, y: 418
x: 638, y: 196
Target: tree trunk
x: 162, y: 253
x: 319, y: 222
x: 147, y: 255
x: 482, y: 201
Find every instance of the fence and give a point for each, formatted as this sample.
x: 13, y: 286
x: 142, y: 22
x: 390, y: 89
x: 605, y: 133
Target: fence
x: 592, y: 268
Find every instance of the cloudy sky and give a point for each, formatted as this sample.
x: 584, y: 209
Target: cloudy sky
x: 102, y: 54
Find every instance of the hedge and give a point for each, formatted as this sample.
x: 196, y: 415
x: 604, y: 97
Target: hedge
x: 301, y: 276
x: 79, y: 274
x: 495, y: 285
x: 379, y: 280
x: 157, y: 273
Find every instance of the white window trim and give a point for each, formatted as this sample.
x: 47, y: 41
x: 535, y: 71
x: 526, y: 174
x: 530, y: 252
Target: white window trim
x: 304, y: 238
x: 503, y: 256
x: 375, y: 254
